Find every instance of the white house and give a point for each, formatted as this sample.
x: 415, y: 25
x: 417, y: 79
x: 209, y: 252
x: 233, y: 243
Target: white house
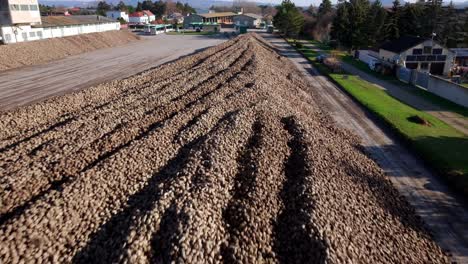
x: 248, y: 19
x: 418, y: 53
x: 143, y: 17
x: 117, y: 14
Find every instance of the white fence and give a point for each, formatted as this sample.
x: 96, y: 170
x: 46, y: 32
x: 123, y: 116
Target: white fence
x: 13, y: 34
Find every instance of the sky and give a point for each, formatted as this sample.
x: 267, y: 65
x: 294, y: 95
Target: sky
x: 297, y: 2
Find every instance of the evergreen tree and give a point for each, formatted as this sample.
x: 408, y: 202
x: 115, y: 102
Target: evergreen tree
x: 409, y: 23
x: 159, y: 9
x: 102, y: 8
x: 431, y: 21
x: 358, y: 14
x: 392, y: 25
x: 147, y: 5
x: 139, y: 7
x: 325, y: 7
x: 450, y: 29
x: 121, y: 6
x: 376, y: 23
x: 288, y: 19
x: 465, y: 29
x: 341, y: 26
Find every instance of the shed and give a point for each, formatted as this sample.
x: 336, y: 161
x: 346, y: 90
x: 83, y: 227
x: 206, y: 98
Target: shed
x: 248, y: 19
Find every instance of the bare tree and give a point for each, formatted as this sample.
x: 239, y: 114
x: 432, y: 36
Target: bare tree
x: 248, y: 6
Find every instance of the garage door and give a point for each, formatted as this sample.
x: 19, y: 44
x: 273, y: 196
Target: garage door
x: 437, y: 68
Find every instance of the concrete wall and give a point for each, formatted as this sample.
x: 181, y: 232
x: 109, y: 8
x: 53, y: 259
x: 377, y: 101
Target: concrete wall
x: 27, y: 33
x: 436, y: 85
x: 448, y: 90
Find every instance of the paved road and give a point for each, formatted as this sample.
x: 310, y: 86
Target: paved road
x: 401, y: 93
x: 29, y: 84
x: 444, y: 214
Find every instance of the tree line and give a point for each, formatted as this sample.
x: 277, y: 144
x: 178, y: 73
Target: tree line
x: 158, y: 8
x: 358, y: 24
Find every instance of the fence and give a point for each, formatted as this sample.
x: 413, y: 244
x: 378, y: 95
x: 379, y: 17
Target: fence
x: 436, y: 85
x: 14, y: 34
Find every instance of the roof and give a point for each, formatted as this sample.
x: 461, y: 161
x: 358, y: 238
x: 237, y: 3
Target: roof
x: 53, y: 21
x: 141, y: 13
x: 220, y: 14
x: 401, y: 44
x: 148, y: 13
x: 175, y: 14
x: 460, y: 52
x: 252, y: 15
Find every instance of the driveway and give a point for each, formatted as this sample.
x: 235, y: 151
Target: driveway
x: 29, y: 84
x: 445, y: 215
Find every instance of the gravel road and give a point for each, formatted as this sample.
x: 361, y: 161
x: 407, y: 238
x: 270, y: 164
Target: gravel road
x: 222, y: 156
x: 26, y: 85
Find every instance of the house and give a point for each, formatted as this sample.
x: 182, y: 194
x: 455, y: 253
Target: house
x: 417, y: 53
x: 176, y: 17
x: 225, y: 18
x: 19, y: 12
x: 248, y: 19
x: 460, y: 56
x: 60, y: 11
x: 115, y: 15
x: 142, y: 17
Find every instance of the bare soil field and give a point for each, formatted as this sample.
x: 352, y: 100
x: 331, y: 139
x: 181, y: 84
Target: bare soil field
x: 41, y: 51
x: 222, y: 156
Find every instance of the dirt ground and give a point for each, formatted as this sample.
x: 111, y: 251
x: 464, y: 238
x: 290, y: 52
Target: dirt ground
x: 221, y: 156
x: 41, y: 51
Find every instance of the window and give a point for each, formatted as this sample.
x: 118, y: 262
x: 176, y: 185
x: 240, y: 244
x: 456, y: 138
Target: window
x: 39, y: 34
x: 32, y: 34
x: 410, y: 58
x: 441, y: 57
x: 417, y: 51
x: 33, y: 7
x: 437, y: 51
x: 25, y: 35
x: 14, y: 7
x: 431, y: 58
x: 24, y: 7
x: 421, y: 58
x: 411, y: 65
x: 8, y: 37
x: 427, y: 49
x: 424, y: 66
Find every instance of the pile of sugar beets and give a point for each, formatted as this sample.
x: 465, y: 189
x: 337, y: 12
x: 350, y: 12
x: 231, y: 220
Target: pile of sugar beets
x: 222, y: 156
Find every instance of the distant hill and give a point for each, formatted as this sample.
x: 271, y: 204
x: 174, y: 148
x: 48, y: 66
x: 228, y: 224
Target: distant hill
x: 461, y: 4
x: 199, y: 4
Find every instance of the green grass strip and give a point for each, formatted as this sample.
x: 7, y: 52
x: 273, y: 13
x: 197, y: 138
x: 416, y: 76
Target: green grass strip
x: 441, y: 146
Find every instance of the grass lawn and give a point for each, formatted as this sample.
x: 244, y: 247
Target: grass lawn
x: 439, y: 145
x: 191, y: 33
